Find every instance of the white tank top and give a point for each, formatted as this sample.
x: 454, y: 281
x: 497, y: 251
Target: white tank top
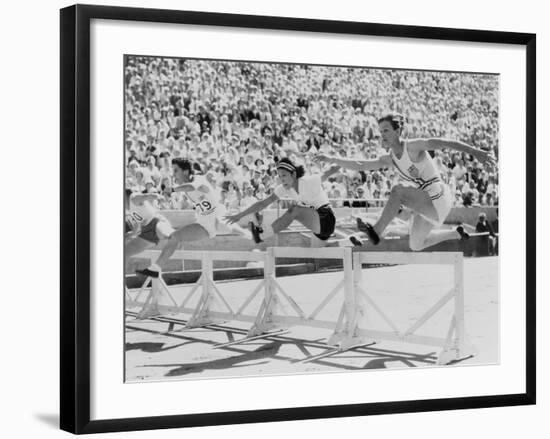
x: 310, y: 192
x: 423, y: 174
x: 142, y: 214
x: 203, y: 203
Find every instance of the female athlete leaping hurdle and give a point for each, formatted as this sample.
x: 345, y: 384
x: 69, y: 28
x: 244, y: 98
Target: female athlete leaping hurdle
x: 207, y: 216
x: 422, y: 189
x: 144, y: 226
x: 312, y: 208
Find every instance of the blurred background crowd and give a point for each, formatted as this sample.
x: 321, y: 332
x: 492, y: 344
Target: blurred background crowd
x: 234, y: 120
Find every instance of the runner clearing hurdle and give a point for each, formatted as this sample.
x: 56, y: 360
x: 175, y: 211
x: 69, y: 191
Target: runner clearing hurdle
x: 208, y: 219
x: 144, y: 226
x: 312, y: 208
x: 422, y: 189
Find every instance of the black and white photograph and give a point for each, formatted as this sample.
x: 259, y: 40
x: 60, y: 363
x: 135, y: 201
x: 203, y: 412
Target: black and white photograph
x: 286, y: 218
x: 306, y: 219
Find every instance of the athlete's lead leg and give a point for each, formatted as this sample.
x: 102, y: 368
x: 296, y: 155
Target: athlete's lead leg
x: 415, y: 199
x: 391, y: 209
x: 305, y: 215
x: 189, y: 233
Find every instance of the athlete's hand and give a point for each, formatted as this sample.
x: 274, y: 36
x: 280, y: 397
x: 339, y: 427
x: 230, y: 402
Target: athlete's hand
x: 232, y: 219
x: 486, y: 158
x: 321, y: 158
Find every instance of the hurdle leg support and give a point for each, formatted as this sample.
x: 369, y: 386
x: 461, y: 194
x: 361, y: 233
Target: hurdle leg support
x: 346, y: 334
x: 202, y: 315
x: 266, y: 319
x: 151, y: 306
x: 456, y: 345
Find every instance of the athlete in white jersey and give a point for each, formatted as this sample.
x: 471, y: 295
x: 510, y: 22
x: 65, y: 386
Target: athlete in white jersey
x: 424, y: 175
x: 144, y: 226
x: 421, y: 188
x: 203, y: 197
x: 207, y: 216
x: 312, y: 207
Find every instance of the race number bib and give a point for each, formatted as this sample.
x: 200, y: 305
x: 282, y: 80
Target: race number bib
x: 135, y: 218
x: 204, y: 207
x: 132, y: 222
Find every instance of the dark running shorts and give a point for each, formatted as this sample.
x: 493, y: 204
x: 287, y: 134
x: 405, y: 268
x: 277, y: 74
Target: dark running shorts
x: 149, y: 231
x: 327, y: 221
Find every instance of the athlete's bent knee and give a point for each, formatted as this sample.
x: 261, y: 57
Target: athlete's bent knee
x: 397, y: 191
x: 177, y: 235
x: 417, y: 244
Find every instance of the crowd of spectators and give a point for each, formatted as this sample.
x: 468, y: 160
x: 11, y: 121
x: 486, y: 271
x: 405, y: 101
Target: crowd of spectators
x: 234, y: 120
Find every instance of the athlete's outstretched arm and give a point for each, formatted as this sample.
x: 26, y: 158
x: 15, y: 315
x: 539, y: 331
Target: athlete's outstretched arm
x: 432, y: 144
x: 256, y: 207
x: 383, y: 161
x: 139, y: 199
x: 190, y: 187
x: 330, y: 171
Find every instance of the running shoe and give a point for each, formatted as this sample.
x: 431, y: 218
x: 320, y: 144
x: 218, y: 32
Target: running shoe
x: 255, y: 230
x: 369, y: 230
x: 464, y: 235
x: 148, y: 272
x: 356, y: 242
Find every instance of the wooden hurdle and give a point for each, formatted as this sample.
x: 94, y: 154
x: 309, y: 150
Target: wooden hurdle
x: 454, y: 345
x: 348, y: 332
x: 348, y: 329
x: 211, y: 306
x: 272, y: 315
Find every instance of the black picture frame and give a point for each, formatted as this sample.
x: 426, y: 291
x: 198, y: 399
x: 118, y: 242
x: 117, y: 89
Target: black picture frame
x: 75, y: 217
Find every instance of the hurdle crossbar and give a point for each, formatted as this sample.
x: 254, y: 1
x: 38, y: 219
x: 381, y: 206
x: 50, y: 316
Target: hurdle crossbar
x: 309, y: 253
x: 433, y: 258
x: 197, y: 255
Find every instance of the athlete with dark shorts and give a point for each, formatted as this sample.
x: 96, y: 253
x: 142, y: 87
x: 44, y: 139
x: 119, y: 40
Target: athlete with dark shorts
x: 144, y: 226
x: 311, y: 208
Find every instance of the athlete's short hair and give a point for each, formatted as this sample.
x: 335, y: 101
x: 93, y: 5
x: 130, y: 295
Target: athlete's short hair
x: 183, y: 164
x: 396, y: 120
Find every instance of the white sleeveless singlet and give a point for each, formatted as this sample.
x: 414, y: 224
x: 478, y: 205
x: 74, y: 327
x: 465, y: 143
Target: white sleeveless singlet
x: 424, y: 175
